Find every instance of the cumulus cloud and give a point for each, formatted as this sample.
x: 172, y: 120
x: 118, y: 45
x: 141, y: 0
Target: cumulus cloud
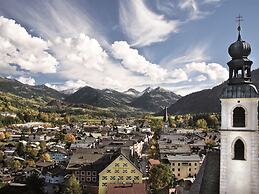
x: 18, y: 47
x: 214, y: 71
x: 81, y: 52
x: 142, y: 25
x: 26, y: 80
x: 132, y: 60
x: 200, y: 78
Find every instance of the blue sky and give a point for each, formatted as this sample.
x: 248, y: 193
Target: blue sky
x: 180, y: 45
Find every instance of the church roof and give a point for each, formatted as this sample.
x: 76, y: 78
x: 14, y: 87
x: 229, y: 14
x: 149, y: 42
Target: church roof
x: 240, y: 91
x: 207, y: 180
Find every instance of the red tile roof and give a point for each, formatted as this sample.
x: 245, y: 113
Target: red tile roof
x: 126, y: 189
x: 153, y: 162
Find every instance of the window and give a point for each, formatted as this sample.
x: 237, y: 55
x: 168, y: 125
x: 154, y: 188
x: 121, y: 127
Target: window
x: 104, y: 184
x: 179, y: 164
x: 136, y: 178
x: 77, y: 172
x: 125, y: 171
x: 82, y: 172
x: 88, y: 173
x: 88, y: 179
x: 104, y: 178
x: 239, y: 117
x: 83, y: 179
x: 173, y: 169
x: 195, y: 164
x: 109, y: 171
x: 239, y: 150
x: 190, y: 164
x: 120, y: 178
x: 133, y: 171
x: 93, y: 179
x: 128, y: 178
x: 94, y: 173
x: 179, y: 174
x: 117, y: 171
x: 179, y: 169
x: 125, y: 165
x: 190, y: 169
x: 112, y: 178
x: 120, y: 158
x: 173, y: 164
x: 117, y: 164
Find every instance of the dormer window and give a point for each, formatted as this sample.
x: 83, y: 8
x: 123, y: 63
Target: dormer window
x: 239, y: 117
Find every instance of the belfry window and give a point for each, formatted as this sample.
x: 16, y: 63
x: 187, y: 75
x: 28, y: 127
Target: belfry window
x: 239, y: 117
x: 239, y: 150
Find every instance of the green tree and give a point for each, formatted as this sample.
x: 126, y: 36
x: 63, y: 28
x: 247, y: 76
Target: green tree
x: 201, y: 123
x: 15, y: 165
x: 20, y: 149
x: 73, y: 186
x: 34, y: 185
x: 160, y: 177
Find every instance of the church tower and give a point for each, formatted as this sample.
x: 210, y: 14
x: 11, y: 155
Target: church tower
x: 239, y: 165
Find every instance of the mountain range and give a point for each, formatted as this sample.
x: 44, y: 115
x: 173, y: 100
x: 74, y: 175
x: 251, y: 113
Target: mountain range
x: 150, y: 100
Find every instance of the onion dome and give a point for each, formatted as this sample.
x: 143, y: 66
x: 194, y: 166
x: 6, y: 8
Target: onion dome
x: 239, y: 49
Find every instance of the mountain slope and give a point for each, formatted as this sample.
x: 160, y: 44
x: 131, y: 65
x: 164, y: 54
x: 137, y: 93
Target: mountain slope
x: 205, y: 101
x: 23, y: 90
x: 101, y: 98
x: 132, y: 92
x: 154, y: 99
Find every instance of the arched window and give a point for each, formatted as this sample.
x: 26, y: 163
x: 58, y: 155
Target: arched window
x: 239, y: 150
x: 239, y: 117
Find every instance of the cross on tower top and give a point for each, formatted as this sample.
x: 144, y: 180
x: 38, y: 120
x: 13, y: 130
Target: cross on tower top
x: 239, y: 19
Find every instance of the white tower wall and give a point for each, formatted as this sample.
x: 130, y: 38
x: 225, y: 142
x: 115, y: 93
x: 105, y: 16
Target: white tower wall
x: 239, y: 176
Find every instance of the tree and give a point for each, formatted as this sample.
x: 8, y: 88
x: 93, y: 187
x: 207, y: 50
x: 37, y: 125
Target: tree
x: 1, y: 155
x: 70, y: 138
x: 46, y: 157
x: 34, y: 185
x: 20, y: 149
x: 73, y: 186
x: 30, y: 163
x: 201, y: 123
x: 160, y: 177
x: 2, y: 136
x: 15, y: 165
x: 8, y: 134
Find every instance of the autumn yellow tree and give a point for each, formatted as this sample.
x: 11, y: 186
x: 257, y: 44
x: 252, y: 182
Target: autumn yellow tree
x: 46, y: 157
x: 70, y: 138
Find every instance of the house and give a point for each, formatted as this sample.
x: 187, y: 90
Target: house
x: 126, y: 188
x: 184, y: 166
x: 54, y: 175
x: 119, y: 171
x: 58, y: 156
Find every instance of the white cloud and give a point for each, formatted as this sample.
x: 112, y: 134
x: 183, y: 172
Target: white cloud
x: 143, y: 26
x: 19, y: 47
x: 132, y: 60
x: 26, y: 80
x: 68, y: 85
x: 193, y: 54
x: 200, y: 78
x: 81, y: 52
x: 214, y: 71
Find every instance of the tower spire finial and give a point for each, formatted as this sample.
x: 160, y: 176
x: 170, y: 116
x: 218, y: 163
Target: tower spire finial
x: 239, y: 18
